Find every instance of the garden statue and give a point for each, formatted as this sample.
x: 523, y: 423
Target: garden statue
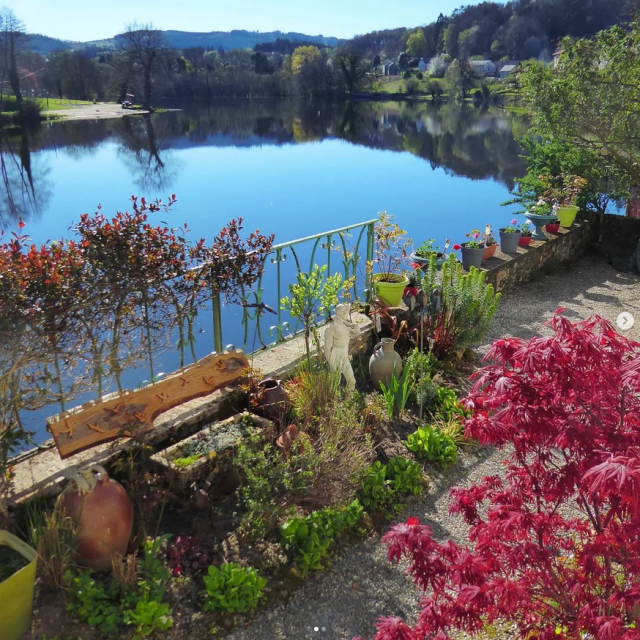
x: 336, y: 345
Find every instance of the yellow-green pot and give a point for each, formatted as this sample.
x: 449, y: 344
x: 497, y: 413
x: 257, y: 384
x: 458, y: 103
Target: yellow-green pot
x: 16, y: 592
x: 390, y: 292
x: 567, y: 215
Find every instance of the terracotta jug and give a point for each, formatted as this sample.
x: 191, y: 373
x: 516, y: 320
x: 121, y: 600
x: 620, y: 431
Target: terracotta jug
x: 275, y: 402
x: 382, y: 362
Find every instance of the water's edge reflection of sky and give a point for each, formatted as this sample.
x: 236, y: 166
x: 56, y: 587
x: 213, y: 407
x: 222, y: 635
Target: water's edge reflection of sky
x: 289, y: 168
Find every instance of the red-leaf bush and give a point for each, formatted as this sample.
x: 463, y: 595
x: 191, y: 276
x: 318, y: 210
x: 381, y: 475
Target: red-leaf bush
x: 554, y: 546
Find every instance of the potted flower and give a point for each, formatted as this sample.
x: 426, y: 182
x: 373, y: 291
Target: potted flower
x: 17, y: 580
x: 490, y: 244
x: 391, y: 249
x: 422, y: 255
x: 541, y: 213
x: 510, y: 237
x: 525, y: 233
x: 567, y: 198
x: 472, y: 250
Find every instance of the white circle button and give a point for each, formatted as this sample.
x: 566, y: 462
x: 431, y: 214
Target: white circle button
x: 625, y: 321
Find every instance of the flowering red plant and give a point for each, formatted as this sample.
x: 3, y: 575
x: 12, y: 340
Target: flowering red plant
x: 555, y: 544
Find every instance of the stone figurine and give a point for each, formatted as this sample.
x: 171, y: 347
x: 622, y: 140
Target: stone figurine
x: 336, y: 344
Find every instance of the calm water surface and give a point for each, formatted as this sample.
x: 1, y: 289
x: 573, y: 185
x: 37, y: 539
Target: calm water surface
x: 288, y: 168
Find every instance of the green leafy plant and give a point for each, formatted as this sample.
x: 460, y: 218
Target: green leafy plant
x: 422, y: 367
x: 431, y: 443
x: 92, y: 602
x: 397, y: 393
x: 447, y: 406
x: 311, y: 536
x: 233, y: 588
x: 148, y: 618
x: 312, y: 296
x: 405, y: 476
x: 375, y: 491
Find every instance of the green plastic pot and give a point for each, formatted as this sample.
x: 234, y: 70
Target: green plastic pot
x: 567, y: 215
x: 390, y: 292
x: 16, y: 592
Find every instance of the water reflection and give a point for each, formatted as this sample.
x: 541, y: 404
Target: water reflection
x: 477, y: 143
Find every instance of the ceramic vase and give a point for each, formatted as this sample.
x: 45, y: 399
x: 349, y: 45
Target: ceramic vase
x: 383, y: 361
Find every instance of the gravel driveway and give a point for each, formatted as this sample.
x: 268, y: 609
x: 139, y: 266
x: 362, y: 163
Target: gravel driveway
x: 362, y: 585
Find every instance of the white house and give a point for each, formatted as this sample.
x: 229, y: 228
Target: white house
x: 422, y: 66
x: 508, y: 70
x: 390, y: 68
x: 556, y: 58
x: 484, y: 68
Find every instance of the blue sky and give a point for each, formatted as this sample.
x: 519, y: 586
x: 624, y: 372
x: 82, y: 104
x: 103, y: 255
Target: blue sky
x: 95, y: 19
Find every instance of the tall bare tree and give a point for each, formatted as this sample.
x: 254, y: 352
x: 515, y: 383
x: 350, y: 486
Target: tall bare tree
x: 145, y: 46
x: 13, y: 35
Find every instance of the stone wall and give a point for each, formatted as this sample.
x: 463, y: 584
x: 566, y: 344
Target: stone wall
x: 505, y: 271
x: 619, y: 240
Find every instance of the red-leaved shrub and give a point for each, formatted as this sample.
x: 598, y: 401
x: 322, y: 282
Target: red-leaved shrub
x: 554, y: 546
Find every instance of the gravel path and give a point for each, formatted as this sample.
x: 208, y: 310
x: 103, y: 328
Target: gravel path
x: 362, y: 585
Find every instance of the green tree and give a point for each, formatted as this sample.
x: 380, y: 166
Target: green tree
x: 312, y: 297
x: 352, y: 69
x: 460, y: 79
x: 591, y: 99
x: 145, y: 46
x: 417, y: 44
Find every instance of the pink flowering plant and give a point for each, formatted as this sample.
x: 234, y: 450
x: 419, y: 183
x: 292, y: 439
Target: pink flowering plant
x: 513, y: 228
x: 475, y: 240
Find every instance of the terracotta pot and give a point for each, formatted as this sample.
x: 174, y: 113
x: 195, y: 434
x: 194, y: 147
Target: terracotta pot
x: 104, y: 514
x: 525, y: 242
x: 553, y: 228
x: 275, y: 402
x: 489, y: 252
x: 383, y: 361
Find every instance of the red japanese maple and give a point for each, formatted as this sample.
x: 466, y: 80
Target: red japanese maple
x: 554, y: 546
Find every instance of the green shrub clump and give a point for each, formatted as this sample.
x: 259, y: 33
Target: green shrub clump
x: 312, y: 536
x: 233, y: 588
x: 383, y: 483
x: 431, y: 443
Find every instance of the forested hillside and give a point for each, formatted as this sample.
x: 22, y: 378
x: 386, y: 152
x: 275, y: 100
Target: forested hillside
x: 516, y: 30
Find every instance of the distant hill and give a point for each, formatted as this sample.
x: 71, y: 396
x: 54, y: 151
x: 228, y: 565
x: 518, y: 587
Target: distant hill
x: 182, y: 39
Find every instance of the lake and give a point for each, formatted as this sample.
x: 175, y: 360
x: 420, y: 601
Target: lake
x: 287, y: 167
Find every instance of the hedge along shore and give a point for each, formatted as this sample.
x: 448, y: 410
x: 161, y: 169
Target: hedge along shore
x: 361, y: 585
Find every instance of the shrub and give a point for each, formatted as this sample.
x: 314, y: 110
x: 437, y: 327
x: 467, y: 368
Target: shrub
x: 420, y: 75
x: 375, y: 492
x: 422, y: 367
x: 431, y: 443
x: 467, y: 305
x: 553, y: 545
x: 148, y: 618
x: 405, y: 476
x: 447, y: 407
x: 233, y: 588
x: 407, y: 74
x: 311, y: 536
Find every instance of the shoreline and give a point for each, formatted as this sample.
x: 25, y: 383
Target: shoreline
x: 98, y: 111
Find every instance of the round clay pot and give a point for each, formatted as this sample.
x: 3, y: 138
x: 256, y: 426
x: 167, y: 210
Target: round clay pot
x: 525, y: 242
x: 383, y: 361
x: 274, y: 398
x: 509, y: 241
x: 471, y: 257
x: 489, y: 252
x: 104, y: 514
